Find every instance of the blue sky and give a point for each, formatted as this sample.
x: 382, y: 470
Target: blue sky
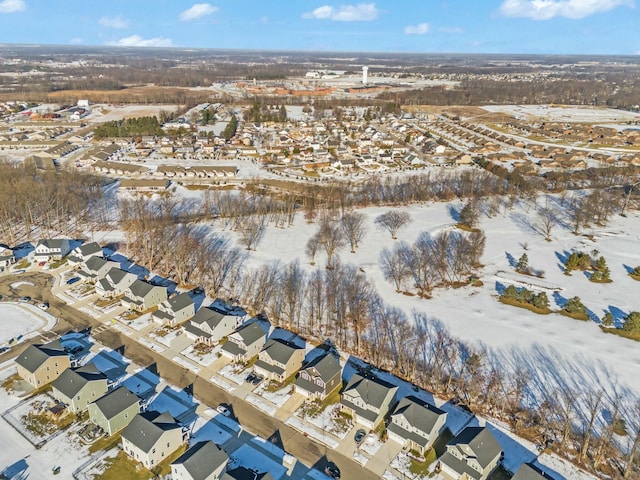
x: 464, y: 26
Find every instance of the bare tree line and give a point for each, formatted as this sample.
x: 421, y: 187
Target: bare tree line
x: 38, y: 204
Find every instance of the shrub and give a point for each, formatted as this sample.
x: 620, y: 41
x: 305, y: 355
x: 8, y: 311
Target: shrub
x: 575, y: 306
x: 632, y: 323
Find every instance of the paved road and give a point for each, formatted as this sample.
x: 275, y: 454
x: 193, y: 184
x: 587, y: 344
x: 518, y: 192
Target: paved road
x: 254, y: 420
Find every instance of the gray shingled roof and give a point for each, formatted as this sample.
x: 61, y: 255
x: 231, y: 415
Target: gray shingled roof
x: 180, y: 301
x: 116, y: 275
x: 52, y: 243
x: 280, y: 350
x: 242, y: 473
x: 209, y: 316
x: 477, y: 442
x: 35, y: 355
x: 418, y: 414
x: 372, y: 390
x: 324, y: 366
x: 250, y: 333
x: 530, y: 472
x: 116, y: 401
x: 202, y: 459
x: 140, y: 288
x: 146, y: 429
x: 95, y: 263
x: 90, y: 249
x: 71, y: 381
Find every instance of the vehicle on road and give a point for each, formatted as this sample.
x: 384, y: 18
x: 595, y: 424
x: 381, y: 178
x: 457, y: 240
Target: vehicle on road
x: 24, y: 299
x: 73, y: 280
x: 222, y: 409
x: 359, y: 436
x: 44, y: 305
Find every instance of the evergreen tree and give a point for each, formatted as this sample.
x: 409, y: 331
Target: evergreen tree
x: 575, y: 306
x: 523, y: 263
x: 607, y: 319
x: 632, y: 323
x: 541, y: 300
x: 469, y: 214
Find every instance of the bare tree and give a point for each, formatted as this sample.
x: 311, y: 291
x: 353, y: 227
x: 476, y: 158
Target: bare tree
x: 593, y: 401
x: 392, y: 221
x: 252, y: 231
x: 354, y: 227
x: 331, y: 238
x: 393, y: 267
x: 634, y: 423
x: 312, y: 247
x: 547, y: 220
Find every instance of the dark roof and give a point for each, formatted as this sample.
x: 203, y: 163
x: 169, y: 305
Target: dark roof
x: 325, y: 366
x: 208, y: 315
x: 116, y: 275
x: 191, y: 328
x: 476, y: 442
x: 115, y: 402
x: 242, y: 473
x: 140, y: 288
x: 371, y: 389
x: 73, y: 380
x: 528, y: 471
x: 90, y: 248
x: 420, y: 415
x: 95, y: 263
x: 35, y: 355
x: 280, y: 350
x: 146, y: 428
x: 180, y: 301
x: 202, y: 459
x: 250, y: 333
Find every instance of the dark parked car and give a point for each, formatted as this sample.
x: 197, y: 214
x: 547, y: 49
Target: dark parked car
x: 250, y: 378
x: 24, y: 299
x: 73, y: 280
x: 360, y: 434
x: 257, y: 380
x: 332, y: 471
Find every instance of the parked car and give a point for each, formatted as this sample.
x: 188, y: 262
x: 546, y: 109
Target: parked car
x: 222, y: 409
x: 44, y: 305
x: 332, y: 471
x: 73, y: 350
x: 250, y: 377
x: 24, y: 299
x: 257, y: 380
x: 42, y: 264
x: 360, y: 434
x: 73, y: 280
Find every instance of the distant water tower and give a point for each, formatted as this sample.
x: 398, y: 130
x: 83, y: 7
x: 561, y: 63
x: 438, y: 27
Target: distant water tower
x: 365, y: 71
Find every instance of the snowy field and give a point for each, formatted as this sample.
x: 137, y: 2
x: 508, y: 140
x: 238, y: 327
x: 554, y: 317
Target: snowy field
x: 556, y: 350
x: 22, y: 320
x: 563, y: 113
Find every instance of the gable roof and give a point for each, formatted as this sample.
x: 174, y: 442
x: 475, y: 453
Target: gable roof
x: 180, y: 301
x: 528, y: 471
x: 250, y: 333
x: 371, y: 389
x: 325, y: 366
x: 35, y: 355
x: 280, y: 350
x: 146, y: 428
x: 116, y: 275
x: 91, y: 248
x: 209, y: 315
x: 140, y: 288
x: 419, y: 414
x: 242, y: 473
x: 93, y: 264
x: 116, y: 401
x: 476, y: 442
x: 73, y: 380
x: 53, y: 243
x: 202, y: 459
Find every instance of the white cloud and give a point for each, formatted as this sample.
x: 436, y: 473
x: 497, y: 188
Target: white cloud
x: 362, y: 12
x: 138, y: 41
x: 76, y: 41
x: 198, y: 10
x: 547, y: 9
x: 420, y: 29
x: 114, y: 22
x: 12, y: 6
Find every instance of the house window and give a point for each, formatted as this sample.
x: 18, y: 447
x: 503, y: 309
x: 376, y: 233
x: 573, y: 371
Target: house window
x: 126, y: 415
x: 168, y: 445
x: 153, y: 451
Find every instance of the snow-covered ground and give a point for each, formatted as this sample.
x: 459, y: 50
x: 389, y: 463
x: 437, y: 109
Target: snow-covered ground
x: 557, y: 350
x: 564, y: 113
x: 17, y: 319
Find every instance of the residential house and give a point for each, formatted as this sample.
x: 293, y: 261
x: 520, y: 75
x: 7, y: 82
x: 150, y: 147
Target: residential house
x: 96, y: 268
x: 52, y: 249
x: 211, y: 324
x: 245, y: 343
x: 203, y: 461
x: 151, y: 437
x: 114, y: 410
x: 319, y: 378
x: 416, y: 424
x: 84, y: 252
x: 175, y: 310
x: 141, y: 296
x: 115, y: 282
x: 42, y: 364
x: 279, y: 359
x: 368, y: 399
x: 6, y: 256
x: 528, y: 471
x: 78, y: 387
x: 472, y: 455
